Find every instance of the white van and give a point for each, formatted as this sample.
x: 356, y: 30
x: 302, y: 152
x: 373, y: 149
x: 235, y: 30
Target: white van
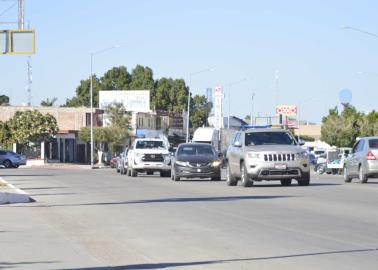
x: 207, y: 135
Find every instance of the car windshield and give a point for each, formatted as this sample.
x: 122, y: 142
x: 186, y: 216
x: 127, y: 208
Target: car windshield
x: 373, y: 143
x: 195, y: 150
x: 150, y: 144
x: 319, y: 152
x: 269, y: 138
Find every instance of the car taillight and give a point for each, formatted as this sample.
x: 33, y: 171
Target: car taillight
x: 370, y: 156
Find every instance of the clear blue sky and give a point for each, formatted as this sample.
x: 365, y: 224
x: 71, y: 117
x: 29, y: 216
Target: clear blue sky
x: 240, y: 38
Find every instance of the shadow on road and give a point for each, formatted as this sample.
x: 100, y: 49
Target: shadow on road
x: 8, y: 265
x: 40, y: 188
x: 178, y: 264
x: 172, y: 200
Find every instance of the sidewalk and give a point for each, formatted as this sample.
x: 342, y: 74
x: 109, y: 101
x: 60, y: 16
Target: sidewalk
x: 64, y: 166
x: 11, y: 194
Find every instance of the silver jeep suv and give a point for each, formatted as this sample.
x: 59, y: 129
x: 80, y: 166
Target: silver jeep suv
x: 258, y: 154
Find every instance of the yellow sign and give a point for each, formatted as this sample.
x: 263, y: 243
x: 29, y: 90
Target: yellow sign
x: 17, y: 41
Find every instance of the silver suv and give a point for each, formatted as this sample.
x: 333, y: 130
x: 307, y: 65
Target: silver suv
x: 362, y: 163
x: 258, y: 154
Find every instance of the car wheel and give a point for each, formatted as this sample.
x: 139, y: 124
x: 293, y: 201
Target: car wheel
x: 305, y: 179
x: 347, y: 178
x: 321, y: 169
x: 175, y: 178
x: 133, y: 173
x: 286, y: 182
x: 230, y: 179
x: 245, y: 180
x: 150, y: 173
x: 7, y: 163
x: 16, y: 166
x: 363, y: 178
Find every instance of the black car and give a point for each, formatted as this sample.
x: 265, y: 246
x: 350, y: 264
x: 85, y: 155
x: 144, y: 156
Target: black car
x: 196, y: 160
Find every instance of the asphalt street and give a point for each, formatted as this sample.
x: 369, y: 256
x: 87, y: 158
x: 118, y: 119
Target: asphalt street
x: 98, y: 219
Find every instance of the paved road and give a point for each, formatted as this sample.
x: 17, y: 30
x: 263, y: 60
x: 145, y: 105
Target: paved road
x: 97, y: 219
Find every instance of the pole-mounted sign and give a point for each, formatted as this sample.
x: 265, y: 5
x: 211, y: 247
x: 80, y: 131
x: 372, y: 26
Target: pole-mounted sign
x: 17, y: 41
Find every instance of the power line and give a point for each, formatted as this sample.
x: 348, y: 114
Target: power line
x: 7, y: 9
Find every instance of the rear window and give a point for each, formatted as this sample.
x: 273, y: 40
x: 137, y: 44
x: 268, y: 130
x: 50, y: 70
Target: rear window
x: 373, y: 143
x: 269, y: 138
x: 149, y: 144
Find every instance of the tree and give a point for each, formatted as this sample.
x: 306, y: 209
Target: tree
x: 31, y: 126
x: 169, y: 95
x: 142, y: 78
x: 247, y: 118
x: 4, y: 100
x: 83, y: 97
x: 117, y: 78
x: 5, y: 133
x: 199, y: 111
x: 342, y: 129
x: 49, y: 103
x: 118, y: 116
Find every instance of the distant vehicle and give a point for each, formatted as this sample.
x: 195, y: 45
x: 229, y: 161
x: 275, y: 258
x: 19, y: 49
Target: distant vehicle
x: 149, y: 155
x: 113, y: 163
x: 207, y: 135
x: 11, y: 159
x: 362, y: 162
x: 123, y: 161
x: 106, y: 158
x: 257, y: 154
x: 196, y: 160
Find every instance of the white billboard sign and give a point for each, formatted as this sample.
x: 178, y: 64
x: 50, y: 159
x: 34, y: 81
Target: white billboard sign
x: 132, y: 100
x: 218, y: 97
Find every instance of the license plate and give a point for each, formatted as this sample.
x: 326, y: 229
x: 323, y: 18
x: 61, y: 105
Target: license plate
x: 198, y: 170
x: 280, y: 166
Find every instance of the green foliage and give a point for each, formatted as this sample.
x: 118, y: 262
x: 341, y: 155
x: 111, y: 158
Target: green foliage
x: 30, y: 126
x: 4, y: 100
x: 199, y: 111
x: 343, y: 129
x: 5, y: 133
x: 48, y: 103
x: 117, y: 78
x: 247, y: 118
x: 170, y: 95
x: 116, y: 134
x: 142, y: 78
x: 83, y: 97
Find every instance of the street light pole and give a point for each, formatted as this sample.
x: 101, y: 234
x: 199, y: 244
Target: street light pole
x: 229, y: 99
x: 253, y: 95
x: 189, y: 94
x: 359, y: 30
x: 91, y: 94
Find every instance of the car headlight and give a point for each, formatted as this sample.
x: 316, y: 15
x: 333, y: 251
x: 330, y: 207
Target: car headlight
x: 216, y: 163
x: 253, y: 155
x: 301, y: 155
x: 181, y: 163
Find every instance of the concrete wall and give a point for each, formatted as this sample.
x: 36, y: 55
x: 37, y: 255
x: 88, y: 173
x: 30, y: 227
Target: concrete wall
x: 67, y: 118
x: 310, y: 130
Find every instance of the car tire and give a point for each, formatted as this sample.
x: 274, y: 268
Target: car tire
x: 286, y: 182
x: 175, y: 178
x: 16, y: 166
x: 304, y: 180
x: 133, y: 173
x: 245, y: 180
x: 347, y: 178
x: 7, y: 163
x: 363, y: 178
x: 230, y: 179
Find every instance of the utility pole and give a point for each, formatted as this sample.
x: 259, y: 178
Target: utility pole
x: 21, y: 14
x: 30, y: 80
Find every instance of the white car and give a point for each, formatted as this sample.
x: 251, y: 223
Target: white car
x: 149, y: 156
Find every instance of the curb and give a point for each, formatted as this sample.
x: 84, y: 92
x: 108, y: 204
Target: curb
x: 11, y: 194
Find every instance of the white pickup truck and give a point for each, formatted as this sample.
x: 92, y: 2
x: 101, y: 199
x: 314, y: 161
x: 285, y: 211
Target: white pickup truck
x: 149, y: 156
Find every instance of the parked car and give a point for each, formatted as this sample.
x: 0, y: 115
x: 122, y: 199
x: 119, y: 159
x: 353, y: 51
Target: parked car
x: 113, y: 162
x: 123, y: 161
x: 362, y: 162
x: 11, y: 159
x: 196, y: 160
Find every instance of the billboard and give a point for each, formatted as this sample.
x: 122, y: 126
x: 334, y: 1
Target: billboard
x: 132, y: 100
x: 218, y: 97
x: 286, y: 110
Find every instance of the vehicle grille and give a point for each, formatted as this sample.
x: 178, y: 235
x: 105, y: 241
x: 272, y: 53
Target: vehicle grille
x: 280, y: 172
x: 153, y: 158
x: 279, y: 157
x: 198, y: 165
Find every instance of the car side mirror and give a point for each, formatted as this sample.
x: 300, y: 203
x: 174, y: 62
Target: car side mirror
x: 237, y: 144
x: 301, y: 143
